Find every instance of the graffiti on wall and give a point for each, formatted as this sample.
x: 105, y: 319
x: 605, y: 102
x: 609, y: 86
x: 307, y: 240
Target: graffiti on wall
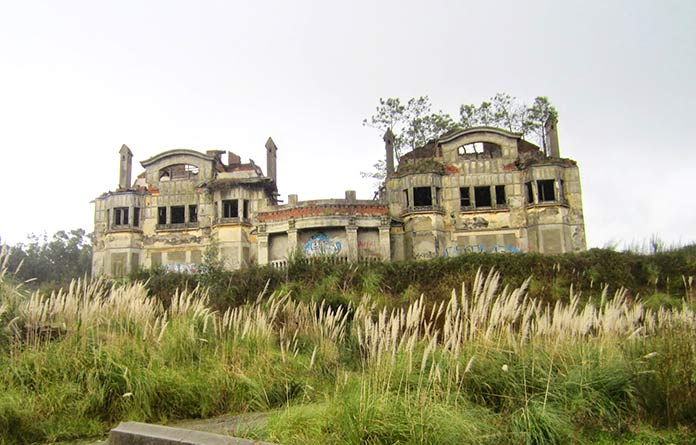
x: 182, y: 268
x: 321, y: 245
x: 480, y: 248
x: 367, y: 245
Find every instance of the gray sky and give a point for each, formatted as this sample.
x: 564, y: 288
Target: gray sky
x: 78, y: 79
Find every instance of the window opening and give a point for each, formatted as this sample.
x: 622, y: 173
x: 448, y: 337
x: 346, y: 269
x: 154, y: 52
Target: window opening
x: 530, y: 193
x: 245, y: 209
x: 136, y: 217
x: 545, y: 190
x: 489, y: 149
x: 178, y: 171
x: 464, y: 197
x: 482, y: 196
x: 470, y: 149
x: 230, y: 208
x: 193, y: 213
x: 500, y: 195
x: 422, y: 196
x: 121, y: 216
x: 161, y: 215
x: 178, y: 214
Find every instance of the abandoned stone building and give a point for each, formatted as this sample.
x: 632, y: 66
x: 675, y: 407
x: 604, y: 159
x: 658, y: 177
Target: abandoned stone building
x: 481, y: 189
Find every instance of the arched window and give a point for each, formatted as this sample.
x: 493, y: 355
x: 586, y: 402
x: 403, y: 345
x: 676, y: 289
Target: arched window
x: 481, y: 149
x: 178, y: 171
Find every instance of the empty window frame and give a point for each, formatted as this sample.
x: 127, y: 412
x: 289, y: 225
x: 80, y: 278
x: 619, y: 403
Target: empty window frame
x: 121, y: 216
x: 546, y: 190
x: 530, y: 193
x: 178, y: 214
x: 470, y: 149
x: 178, y: 171
x: 482, y: 196
x: 161, y: 215
x: 136, y: 217
x: 230, y: 208
x: 422, y: 196
x: 500, y: 199
x: 464, y: 197
x: 488, y: 149
x: 193, y: 213
x: 245, y: 209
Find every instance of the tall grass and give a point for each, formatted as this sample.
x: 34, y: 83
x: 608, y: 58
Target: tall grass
x: 488, y: 365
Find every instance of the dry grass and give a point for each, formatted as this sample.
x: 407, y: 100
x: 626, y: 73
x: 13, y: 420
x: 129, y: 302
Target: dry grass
x: 494, y: 347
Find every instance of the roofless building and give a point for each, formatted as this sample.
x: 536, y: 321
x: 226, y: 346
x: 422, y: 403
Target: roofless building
x: 483, y: 190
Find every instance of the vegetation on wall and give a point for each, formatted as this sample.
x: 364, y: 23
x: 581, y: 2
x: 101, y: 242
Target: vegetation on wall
x: 414, y: 123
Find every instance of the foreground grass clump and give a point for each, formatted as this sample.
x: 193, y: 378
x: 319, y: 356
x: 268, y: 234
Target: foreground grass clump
x: 488, y: 365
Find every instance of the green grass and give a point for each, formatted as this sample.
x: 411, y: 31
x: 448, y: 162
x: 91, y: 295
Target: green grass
x: 490, y: 364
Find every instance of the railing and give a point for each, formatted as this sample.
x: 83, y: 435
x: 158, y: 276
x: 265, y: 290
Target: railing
x: 123, y: 228
x: 232, y: 220
x: 283, y: 263
x: 178, y: 226
x: 279, y: 264
x: 494, y: 208
x: 423, y: 209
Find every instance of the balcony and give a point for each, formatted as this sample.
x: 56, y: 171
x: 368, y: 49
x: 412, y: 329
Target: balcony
x: 233, y: 221
x: 178, y: 226
x: 123, y: 228
x: 423, y: 209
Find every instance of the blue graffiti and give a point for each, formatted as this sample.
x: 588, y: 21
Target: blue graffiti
x: 321, y: 245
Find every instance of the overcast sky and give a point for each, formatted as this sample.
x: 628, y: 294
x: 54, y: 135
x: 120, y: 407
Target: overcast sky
x: 78, y: 79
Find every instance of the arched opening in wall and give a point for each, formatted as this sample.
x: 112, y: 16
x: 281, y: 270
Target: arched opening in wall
x: 178, y: 171
x: 481, y: 150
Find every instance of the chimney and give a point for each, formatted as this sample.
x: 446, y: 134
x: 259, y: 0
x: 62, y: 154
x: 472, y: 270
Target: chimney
x: 124, y: 175
x: 271, y: 150
x: 551, y: 134
x: 233, y: 159
x: 389, y: 147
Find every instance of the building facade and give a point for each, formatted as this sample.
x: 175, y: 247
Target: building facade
x: 480, y: 190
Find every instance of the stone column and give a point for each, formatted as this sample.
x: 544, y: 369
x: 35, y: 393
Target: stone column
x: 292, y: 238
x: 384, y: 243
x: 352, y: 241
x: 262, y: 255
x: 535, y: 192
x: 240, y: 209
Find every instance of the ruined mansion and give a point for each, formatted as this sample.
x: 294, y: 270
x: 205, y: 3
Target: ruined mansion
x: 482, y: 189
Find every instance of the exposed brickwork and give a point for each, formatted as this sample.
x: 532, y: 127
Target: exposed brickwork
x: 324, y: 210
x: 451, y: 169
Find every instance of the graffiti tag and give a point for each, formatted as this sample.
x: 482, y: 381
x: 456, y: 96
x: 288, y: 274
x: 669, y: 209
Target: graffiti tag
x: 481, y: 248
x: 181, y: 268
x: 321, y: 245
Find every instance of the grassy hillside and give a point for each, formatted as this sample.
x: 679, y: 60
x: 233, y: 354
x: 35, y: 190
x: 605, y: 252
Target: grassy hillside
x: 659, y: 279
x: 486, y: 363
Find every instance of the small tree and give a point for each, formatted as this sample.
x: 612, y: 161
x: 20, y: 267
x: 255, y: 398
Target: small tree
x: 414, y: 124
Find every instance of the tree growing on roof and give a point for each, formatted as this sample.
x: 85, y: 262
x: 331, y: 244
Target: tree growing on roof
x: 414, y: 123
